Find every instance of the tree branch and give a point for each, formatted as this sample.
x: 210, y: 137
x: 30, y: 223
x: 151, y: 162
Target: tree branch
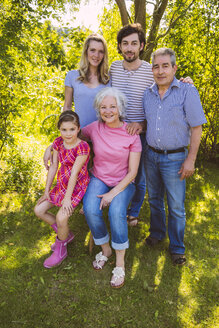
x: 173, y: 22
x: 123, y: 11
x: 158, y: 12
x: 150, y: 3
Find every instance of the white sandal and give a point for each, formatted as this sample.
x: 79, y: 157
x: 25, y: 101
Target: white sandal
x: 100, y: 261
x: 118, y: 278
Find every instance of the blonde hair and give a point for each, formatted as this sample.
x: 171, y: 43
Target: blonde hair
x: 102, y: 72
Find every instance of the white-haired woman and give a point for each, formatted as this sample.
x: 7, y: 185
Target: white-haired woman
x: 115, y: 165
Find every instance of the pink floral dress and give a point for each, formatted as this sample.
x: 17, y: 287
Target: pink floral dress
x: 67, y: 159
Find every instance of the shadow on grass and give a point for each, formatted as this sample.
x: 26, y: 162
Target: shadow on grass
x: 156, y: 294
x: 184, y: 296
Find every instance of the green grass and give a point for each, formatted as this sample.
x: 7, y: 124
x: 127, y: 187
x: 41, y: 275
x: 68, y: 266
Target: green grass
x: 156, y: 294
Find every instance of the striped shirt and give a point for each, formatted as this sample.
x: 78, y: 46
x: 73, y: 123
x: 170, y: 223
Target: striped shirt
x: 169, y: 120
x: 133, y: 85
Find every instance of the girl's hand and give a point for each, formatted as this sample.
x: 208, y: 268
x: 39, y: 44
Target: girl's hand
x: 67, y: 207
x: 44, y: 197
x: 106, y: 199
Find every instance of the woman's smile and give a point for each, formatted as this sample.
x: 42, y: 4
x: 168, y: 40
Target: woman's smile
x: 109, y: 111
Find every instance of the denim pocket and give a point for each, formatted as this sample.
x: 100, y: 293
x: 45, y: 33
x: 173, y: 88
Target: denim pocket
x: 178, y: 156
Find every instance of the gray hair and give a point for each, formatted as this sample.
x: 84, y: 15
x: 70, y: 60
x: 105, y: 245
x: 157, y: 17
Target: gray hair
x: 164, y: 52
x: 113, y: 92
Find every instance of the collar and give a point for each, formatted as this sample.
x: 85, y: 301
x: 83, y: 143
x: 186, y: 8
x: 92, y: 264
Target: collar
x: 131, y: 70
x: 175, y: 83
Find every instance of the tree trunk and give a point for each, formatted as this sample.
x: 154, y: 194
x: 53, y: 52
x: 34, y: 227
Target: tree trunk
x: 140, y: 13
x: 159, y: 10
x: 123, y: 11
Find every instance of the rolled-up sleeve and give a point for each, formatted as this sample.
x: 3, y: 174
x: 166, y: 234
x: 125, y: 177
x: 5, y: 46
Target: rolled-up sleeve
x: 193, y: 109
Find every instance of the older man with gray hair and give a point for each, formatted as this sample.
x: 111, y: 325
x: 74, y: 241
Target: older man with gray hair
x: 174, y: 117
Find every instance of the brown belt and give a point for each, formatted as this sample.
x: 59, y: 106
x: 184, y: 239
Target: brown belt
x: 159, y: 151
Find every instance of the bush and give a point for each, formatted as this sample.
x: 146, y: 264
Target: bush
x: 20, y: 173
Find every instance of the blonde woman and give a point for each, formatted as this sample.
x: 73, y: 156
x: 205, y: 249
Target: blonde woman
x: 83, y: 84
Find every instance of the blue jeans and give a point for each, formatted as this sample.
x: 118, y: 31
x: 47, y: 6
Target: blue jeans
x: 162, y: 176
x: 117, y: 214
x: 140, y: 184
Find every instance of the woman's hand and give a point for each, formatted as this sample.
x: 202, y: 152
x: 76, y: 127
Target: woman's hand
x: 67, y: 207
x: 44, y: 197
x: 106, y: 199
x: 187, y: 80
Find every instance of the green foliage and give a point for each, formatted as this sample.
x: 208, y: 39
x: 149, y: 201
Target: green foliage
x: 21, y: 173
x: 30, y: 53
x: 110, y: 24
x: 196, y: 45
x: 49, y: 127
x: 34, y: 58
x: 74, y: 45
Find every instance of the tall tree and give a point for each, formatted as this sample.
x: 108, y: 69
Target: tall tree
x: 179, y: 11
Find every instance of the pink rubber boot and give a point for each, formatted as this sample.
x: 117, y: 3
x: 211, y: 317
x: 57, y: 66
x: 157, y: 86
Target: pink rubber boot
x: 69, y: 239
x: 59, y: 254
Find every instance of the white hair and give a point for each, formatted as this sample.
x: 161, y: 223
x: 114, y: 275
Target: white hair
x: 164, y: 52
x: 113, y: 92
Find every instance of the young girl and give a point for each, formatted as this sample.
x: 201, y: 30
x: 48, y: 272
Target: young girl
x: 72, y: 182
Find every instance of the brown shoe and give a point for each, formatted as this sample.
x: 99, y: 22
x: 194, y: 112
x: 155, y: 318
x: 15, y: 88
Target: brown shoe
x: 178, y: 259
x: 132, y: 220
x: 152, y: 241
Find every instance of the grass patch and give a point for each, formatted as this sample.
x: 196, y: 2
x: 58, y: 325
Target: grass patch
x: 156, y: 294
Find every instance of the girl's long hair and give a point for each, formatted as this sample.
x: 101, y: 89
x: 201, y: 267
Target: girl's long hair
x: 102, y: 71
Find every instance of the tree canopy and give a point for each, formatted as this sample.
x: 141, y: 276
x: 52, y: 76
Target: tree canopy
x: 35, y: 56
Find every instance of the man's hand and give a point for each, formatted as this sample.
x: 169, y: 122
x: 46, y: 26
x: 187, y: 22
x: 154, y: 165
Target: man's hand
x: 186, y: 80
x: 135, y: 128
x: 47, y: 157
x: 187, y: 169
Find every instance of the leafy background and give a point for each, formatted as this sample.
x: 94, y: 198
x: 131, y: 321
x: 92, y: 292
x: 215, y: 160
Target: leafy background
x: 34, y: 59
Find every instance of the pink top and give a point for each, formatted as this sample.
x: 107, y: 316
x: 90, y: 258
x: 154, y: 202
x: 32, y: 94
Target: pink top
x: 111, y: 151
x: 67, y: 159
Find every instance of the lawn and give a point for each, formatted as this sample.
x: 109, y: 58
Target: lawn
x: 156, y: 293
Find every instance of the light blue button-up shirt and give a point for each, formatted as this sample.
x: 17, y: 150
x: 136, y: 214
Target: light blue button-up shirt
x: 170, y: 119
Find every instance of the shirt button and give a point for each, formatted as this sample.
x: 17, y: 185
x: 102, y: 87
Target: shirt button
x: 158, y: 129
x: 158, y: 118
x: 158, y: 139
x: 159, y: 106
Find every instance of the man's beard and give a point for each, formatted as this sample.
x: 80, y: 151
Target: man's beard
x: 130, y: 59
